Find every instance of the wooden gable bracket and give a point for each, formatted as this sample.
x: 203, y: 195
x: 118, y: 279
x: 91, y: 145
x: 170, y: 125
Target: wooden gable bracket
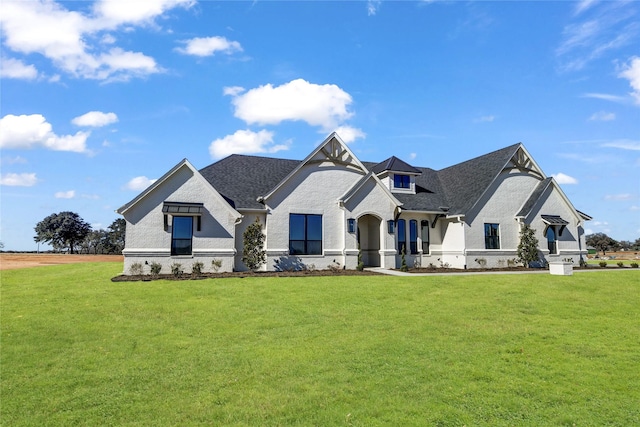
x: 523, y: 163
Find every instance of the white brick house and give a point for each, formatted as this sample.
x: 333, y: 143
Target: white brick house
x: 326, y: 208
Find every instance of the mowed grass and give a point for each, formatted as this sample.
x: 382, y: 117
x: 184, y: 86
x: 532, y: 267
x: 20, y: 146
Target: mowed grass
x: 78, y: 349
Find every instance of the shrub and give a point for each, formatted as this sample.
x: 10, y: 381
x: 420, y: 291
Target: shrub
x: 481, y: 262
x: 334, y: 266
x: 403, y: 266
x: 528, y: 246
x: 360, y: 265
x: 253, y: 253
x: 602, y: 264
x: 216, y: 264
x: 176, y: 269
x: 196, y: 267
x: 155, y: 268
x: 634, y: 265
x: 620, y: 264
x: 136, y: 269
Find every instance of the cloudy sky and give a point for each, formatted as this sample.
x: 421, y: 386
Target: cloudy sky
x: 100, y: 98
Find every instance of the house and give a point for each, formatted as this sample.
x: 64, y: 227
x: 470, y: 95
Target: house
x: 329, y: 207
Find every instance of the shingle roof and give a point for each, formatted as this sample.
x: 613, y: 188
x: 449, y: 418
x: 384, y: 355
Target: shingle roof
x: 534, y: 197
x: 242, y: 179
x: 394, y: 164
x: 465, y: 182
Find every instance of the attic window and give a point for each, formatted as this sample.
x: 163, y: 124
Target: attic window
x: 401, y: 181
x: 180, y: 208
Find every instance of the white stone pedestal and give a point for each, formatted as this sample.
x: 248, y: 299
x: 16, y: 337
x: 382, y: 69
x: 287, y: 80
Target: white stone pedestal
x: 561, y: 268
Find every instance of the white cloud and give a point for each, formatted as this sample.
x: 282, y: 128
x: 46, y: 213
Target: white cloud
x: 602, y: 116
x: 245, y: 142
x: 74, y: 41
x: 232, y: 90
x: 618, y: 197
x: 484, y: 119
x: 611, y: 26
x: 18, y: 179
x: 583, y: 5
x: 208, y: 46
x: 606, y: 97
x: 373, y: 6
x: 412, y: 156
x: 112, y: 13
x: 349, y: 134
x: 624, y: 144
x: 95, y: 119
x: 23, y: 132
x: 15, y: 69
x: 139, y: 183
x: 65, y: 194
x: 634, y: 208
x: 631, y: 72
x: 318, y: 105
x: 564, y: 179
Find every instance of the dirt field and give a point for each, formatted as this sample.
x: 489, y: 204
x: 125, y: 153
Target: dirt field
x: 9, y: 261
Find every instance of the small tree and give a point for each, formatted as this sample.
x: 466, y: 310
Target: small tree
x: 253, y: 253
x: 62, y: 230
x: 601, y: 242
x: 528, y: 246
x: 403, y: 266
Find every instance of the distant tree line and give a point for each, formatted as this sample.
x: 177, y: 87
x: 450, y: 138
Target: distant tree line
x: 68, y: 231
x: 604, y: 243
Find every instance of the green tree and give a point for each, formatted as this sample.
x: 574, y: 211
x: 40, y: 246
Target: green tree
x: 601, y: 242
x: 253, y: 253
x: 114, y: 239
x: 62, y: 230
x: 528, y: 246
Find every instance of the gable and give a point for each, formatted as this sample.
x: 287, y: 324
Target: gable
x: 331, y: 154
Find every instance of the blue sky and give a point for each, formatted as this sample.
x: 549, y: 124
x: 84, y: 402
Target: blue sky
x: 100, y: 98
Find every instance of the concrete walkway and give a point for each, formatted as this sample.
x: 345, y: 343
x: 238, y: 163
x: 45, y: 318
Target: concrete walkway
x: 381, y: 270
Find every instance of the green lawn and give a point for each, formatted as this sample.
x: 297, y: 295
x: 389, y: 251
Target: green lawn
x: 492, y: 350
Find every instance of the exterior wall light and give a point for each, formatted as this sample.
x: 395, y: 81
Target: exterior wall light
x: 391, y: 226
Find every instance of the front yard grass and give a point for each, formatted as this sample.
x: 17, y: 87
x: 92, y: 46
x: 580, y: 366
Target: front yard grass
x: 532, y: 349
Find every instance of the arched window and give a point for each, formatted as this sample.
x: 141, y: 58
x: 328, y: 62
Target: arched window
x: 552, y: 240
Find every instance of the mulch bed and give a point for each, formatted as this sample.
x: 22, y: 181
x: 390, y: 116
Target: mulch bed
x: 242, y: 275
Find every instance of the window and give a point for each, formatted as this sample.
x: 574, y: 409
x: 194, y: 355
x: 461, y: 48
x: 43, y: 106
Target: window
x: 181, y: 235
x: 401, y: 181
x: 413, y: 236
x: 305, y: 234
x: 402, y: 236
x: 491, y: 236
x: 424, y: 225
x: 552, y: 241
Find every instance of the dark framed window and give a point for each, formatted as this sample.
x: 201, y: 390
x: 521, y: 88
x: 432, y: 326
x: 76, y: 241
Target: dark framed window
x: 424, y: 232
x: 492, y: 236
x: 182, y: 235
x: 402, y: 236
x: 305, y: 234
x: 552, y: 240
x: 401, y: 181
x: 413, y: 236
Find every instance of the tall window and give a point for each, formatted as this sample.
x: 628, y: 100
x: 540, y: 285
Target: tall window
x: 402, y: 236
x: 491, y: 236
x: 552, y: 241
x: 424, y: 232
x: 181, y: 235
x: 413, y: 236
x: 305, y: 234
x: 401, y: 181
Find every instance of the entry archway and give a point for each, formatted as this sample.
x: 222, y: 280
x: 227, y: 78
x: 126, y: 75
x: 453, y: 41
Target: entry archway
x: 369, y: 239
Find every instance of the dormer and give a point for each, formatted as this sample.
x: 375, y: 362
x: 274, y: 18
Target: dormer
x: 397, y: 175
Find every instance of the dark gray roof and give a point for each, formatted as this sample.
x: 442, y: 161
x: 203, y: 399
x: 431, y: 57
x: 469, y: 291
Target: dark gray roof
x: 534, y: 197
x: 464, y: 183
x: 242, y: 179
x: 394, y: 164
